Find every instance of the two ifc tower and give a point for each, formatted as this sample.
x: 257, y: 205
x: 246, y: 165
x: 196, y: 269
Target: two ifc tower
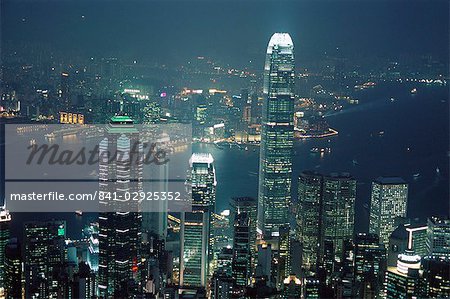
x: 277, y: 136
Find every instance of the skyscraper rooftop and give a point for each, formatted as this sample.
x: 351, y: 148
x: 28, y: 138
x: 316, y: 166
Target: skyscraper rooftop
x: 280, y: 39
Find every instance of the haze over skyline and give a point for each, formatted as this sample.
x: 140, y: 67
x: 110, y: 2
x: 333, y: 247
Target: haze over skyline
x: 170, y: 31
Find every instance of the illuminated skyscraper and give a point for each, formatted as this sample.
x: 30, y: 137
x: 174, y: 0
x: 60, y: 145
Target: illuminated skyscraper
x: 284, y: 253
x: 388, y: 201
x: 369, y: 258
x: 277, y: 133
x: 5, y: 220
x: 403, y: 281
x: 194, y: 249
x: 241, y: 250
x: 120, y: 226
x: 44, y: 259
x: 325, y: 217
x: 291, y: 287
x: 436, y: 277
x: 339, y: 194
x: 248, y: 205
x: 13, y: 269
x: 195, y: 226
x: 309, y: 217
x: 438, y: 237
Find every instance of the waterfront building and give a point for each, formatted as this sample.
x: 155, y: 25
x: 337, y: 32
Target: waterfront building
x: 119, y: 222
x: 275, y: 166
x: 389, y: 199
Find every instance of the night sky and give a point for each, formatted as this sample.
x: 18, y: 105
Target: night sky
x: 235, y: 31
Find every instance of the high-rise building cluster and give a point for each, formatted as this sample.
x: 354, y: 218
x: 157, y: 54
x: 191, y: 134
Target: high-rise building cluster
x: 280, y: 244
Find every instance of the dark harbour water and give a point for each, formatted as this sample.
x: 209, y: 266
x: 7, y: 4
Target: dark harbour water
x: 419, y: 122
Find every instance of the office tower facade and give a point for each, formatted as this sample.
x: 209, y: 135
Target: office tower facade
x: 13, y: 269
x: 410, y: 234
x: 222, y: 286
x: 44, y: 259
x: 311, y: 288
x: 438, y: 237
x: 436, y: 277
x: 277, y: 133
x: 325, y: 218
x: 5, y: 220
x: 154, y: 219
x: 369, y: 256
x: 249, y: 206
x: 264, y: 264
x: 339, y: 195
x: 64, y: 92
x: 389, y: 199
x: 284, y: 253
x: 196, y: 248
x: 225, y: 261
x: 403, y: 281
x: 241, y: 251
x: 83, y: 284
x: 222, y: 235
x: 309, y: 217
x: 292, y: 287
x: 417, y: 237
x: 119, y: 226
x: 296, y: 257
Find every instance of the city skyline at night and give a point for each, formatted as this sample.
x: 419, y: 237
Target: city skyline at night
x: 224, y: 149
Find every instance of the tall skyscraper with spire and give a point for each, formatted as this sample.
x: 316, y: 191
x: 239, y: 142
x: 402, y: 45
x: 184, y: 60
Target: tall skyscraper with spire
x: 277, y: 134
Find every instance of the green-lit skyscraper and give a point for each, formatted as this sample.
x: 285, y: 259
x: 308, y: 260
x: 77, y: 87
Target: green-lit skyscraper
x: 277, y: 133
